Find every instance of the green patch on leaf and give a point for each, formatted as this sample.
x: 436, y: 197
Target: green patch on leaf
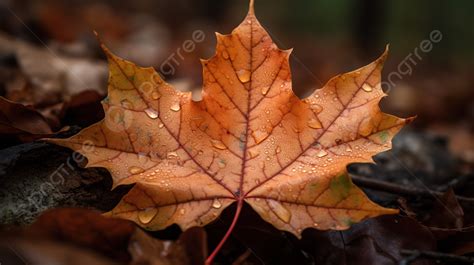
x: 383, y: 136
x: 348, y: 222
x: 313, y: 186
x: 341, y: 185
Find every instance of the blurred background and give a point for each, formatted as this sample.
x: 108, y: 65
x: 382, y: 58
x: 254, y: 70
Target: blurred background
x: 50, y: 58
x: 53, y: 76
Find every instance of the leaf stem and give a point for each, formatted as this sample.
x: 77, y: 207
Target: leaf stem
x: 211, y: 257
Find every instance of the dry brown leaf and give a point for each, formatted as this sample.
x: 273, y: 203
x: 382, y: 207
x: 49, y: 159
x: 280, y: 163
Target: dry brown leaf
x: 76, y: 232
x: 22, y: 122
x: 249, y: 139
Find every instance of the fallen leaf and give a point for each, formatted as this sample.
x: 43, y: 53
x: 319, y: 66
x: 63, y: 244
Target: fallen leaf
x: 249, y: 139
x: 87, y: 229
x: 189, y: 249
x: 21, y: 122
x: 20, y: 251
x: 77, y: 232
x: 375, y: 241
x: 447, y: 212
x: 82, y: 109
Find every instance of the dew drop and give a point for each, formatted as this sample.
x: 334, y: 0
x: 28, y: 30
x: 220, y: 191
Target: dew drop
x: 348, y: 148
x: 136, y: 170
x: 316, y: 108
x: 182, y: 211
x: 225, y: 55
x: 216, y: 204
x: 253, y: 153
x: 175, y: 107
x: 322, y: 153
x: 366, y: 87
x: 145, y: 216
x: 244, y: 75
x: 265, y: 90
x: 259, y: 136
x: 172, y: 155
x: 218, y: 144
x: 278, y: 149
x: 161, y: 125
x: 280, y: 210
x: 221, y: 163
x: 151, y: 113
x: 315, y: 124
x: 155, y: 95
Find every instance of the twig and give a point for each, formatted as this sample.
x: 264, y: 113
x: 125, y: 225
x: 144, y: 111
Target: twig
x: 242, y: 258
x: 461, y: 229
x: 399, y: 189
x: 416, y: 254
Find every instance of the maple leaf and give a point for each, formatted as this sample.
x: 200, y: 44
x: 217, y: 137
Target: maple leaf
x: 250, y: 139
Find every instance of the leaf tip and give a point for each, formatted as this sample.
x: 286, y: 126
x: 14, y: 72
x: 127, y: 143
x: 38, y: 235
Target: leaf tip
x: 106, y: 50
x: 108, y: 214
x: 383, y: 57
x: 288, y: 52
x: 410, y: 119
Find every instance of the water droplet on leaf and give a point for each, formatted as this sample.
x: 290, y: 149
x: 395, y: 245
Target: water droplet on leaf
x: 366, y: 87
x: 316, y: 108
x: 315, y: 124
x: 225, y: 55
x: 135, y: 170
x: 155, y: 95
x: 145, y: 216
x: 253, y: 153
x: 278, y: 149
x: 218, y: 144
x: 244, y: 75
x: 221, y: 163
x: 172, y: 155
x: 216, y: 204
x: 175, y: 107
x: 151, y: 113
x: 322, y: 153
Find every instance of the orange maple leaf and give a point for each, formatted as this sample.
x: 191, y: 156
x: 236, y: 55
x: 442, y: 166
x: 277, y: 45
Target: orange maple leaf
x: 249, y: 139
